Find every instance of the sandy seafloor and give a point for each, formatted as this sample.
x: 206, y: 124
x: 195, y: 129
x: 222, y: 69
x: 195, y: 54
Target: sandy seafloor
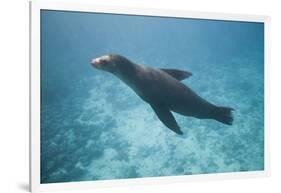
x: 94, y: 127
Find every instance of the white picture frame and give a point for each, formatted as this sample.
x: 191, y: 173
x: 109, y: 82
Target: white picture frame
x: 36, y: 6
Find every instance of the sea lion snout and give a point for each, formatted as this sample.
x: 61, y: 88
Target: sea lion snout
x: 105, y: 63
x: 96, y: 62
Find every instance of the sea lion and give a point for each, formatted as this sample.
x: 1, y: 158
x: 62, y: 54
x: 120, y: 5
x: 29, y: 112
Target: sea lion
x: 162, y: 89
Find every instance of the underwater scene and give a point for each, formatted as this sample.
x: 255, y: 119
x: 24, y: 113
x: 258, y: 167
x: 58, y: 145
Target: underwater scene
x: 95, y: 127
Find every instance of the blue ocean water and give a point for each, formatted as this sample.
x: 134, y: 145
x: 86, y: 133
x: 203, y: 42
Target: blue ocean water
x: 94, y: 127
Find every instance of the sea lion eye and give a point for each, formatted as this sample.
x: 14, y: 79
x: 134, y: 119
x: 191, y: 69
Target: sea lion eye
x: 103, y: 61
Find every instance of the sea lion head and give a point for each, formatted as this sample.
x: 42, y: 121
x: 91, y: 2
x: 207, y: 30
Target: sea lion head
x: 116, y: 64
x: 105, y: 63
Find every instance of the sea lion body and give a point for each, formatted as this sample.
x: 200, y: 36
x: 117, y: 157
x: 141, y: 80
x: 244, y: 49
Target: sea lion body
x: 156, y: 86
x: 162, y: 89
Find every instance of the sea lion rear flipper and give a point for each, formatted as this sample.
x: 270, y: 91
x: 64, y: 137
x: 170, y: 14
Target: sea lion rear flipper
x: 177, y: 74
x: 167, y: 118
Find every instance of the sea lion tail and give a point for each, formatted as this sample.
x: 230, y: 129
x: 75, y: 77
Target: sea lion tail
x: 224, y: 115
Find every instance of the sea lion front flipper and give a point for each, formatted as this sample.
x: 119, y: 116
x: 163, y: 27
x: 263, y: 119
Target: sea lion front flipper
x: 167, y: 118
x: 177, y: 74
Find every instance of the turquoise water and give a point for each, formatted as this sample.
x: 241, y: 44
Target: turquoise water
x: 94, y: 127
